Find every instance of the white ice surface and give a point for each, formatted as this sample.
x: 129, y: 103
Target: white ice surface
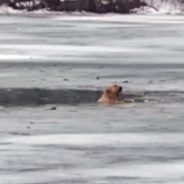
x: 141, y: 143
x: 109, y: 139
x: 145, y: 50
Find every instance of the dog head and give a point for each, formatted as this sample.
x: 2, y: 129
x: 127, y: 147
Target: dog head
x: 113, y: 90
x: 111, y: 94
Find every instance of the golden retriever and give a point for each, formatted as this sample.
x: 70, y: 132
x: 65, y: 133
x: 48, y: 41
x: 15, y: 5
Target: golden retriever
x: 111, y: 95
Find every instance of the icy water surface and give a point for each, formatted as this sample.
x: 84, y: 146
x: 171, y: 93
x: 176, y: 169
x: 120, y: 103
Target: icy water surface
x: 74, y: 51
x: 135, y: 143
x: 139, y: 143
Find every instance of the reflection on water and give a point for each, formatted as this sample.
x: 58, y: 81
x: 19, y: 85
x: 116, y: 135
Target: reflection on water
x: 139, y: 143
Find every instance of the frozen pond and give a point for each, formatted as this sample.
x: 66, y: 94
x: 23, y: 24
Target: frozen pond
x: 72, y: 51
x: 139, y: 143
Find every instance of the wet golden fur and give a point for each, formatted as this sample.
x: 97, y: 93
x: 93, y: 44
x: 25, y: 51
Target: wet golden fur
x: 111, y: 95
